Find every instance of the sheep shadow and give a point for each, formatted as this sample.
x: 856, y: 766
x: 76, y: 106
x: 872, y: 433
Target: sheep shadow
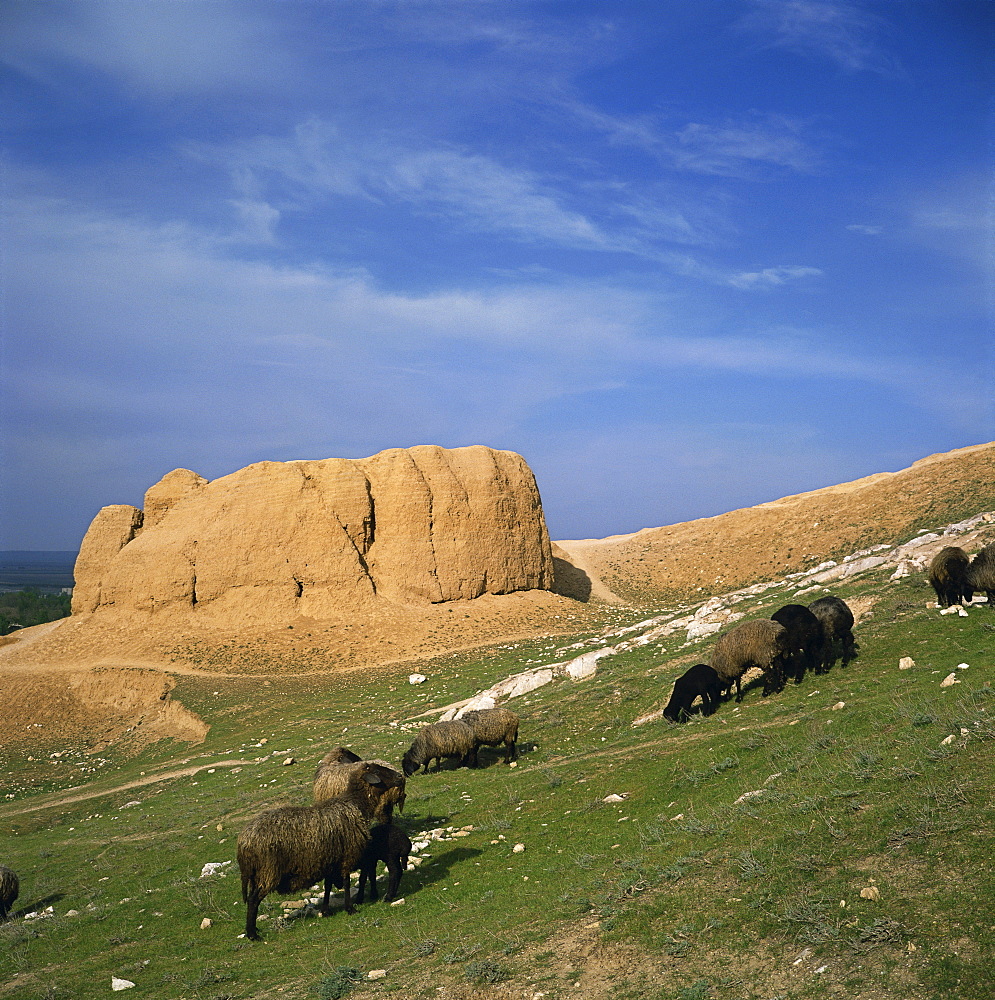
x: 436, y: 869
x: 36, y: 907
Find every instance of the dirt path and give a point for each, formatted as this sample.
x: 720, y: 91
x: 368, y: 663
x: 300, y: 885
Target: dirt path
x: 55, y: 799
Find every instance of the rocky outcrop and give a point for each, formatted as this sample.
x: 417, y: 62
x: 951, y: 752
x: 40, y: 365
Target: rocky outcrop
x: 422, y: 525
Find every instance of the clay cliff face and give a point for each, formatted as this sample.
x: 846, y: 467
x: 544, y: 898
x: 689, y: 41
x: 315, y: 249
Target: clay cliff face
x: 422, y: 525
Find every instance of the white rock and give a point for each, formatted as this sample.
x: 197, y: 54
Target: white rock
x: 839, y: 705
x: 871, y: 892
x: 289, y: 761
x: 133, y: 802
x: 746, y: 796
x: 961, y: 612
x: 518, y: 848
x: 614, y: 797
x: 376, y: 974
x: 121, y: 984
x: 205, y: 923
x: 72, y: 913
x: 416, y: 679
x: 214, y: 868
x: 949, y: 681
x: 398, y: 902
x: 906, y: 663
x: 586, y: 665
x: 948, y: 740
x: 962, y: 666
x: 952, y: 610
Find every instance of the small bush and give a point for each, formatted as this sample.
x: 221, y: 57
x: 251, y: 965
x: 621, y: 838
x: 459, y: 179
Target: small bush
x: 337, y: 984
x: 486, y: 971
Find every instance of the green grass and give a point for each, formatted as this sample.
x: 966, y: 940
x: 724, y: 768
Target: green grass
x: 694, y: 895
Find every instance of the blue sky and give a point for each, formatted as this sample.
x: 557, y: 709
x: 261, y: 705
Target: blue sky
x: 683, y: 257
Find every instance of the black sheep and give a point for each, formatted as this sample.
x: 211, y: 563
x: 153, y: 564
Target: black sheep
x: 804, y: 639
x: 388, y: 844
x: 700, y: 681
x: 948, y: 576
x: 837, y: 632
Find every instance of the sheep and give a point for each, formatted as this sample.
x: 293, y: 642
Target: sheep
x: 291, y: 847
x: 388, y: 844
x: 441, y: 739
x: 10, y: 887
x: 491, y: 727
x: 758, y: 643
x: 804, y: 638
x: 981, y: 573
x: 948, y: 576
x: 837, y: 632
x: 331, y: 778
x: 701, y: 680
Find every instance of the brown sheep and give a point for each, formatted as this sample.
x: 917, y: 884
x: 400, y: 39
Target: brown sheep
x: 290, y: 848
x: 760, y: 643
x: 981, y: 573
x: 948, y: 576
x: 331, y: 778
x: 441, y: 739
x: 9, y: 889
x: 491, y: 727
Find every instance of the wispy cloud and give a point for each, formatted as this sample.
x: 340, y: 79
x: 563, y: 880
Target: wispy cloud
x: 157, y: 46
x: 857, y: 227
x: 846, y: 33
x: 772, y: 277
x: 732, y: 147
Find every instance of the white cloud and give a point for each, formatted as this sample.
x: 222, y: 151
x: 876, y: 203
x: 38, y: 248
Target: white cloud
x: 772, y: 277
x: 857, y: 227
x: 843, y: 32
x: 160, y: 46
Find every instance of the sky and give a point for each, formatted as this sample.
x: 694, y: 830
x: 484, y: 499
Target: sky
x: 682, y: 257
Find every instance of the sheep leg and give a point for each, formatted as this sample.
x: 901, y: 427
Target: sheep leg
x: 512, y: 753
x: 395, y: 868
x: 252, y: 911
x: 329, y: 882
x: 346, y: 875
x: 739, y: 691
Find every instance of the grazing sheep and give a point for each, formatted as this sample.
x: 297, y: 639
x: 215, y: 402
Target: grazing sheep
x: 441, y: 739
x: 491, y: 727
x: 290, y: 848
x: 948, y: 576
x: 388, y: 844
x: 981, y: 573
x: 331, y: 778
x: 837, y: 632
x: 9, y: 889
x: 759, y: 643
x: 701, y: 680
x: 804, y: 638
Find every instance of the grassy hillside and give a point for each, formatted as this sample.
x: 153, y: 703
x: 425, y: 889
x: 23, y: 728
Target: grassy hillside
x: 675, y: 892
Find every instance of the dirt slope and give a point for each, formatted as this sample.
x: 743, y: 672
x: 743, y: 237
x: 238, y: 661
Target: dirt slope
x: 791, y: 534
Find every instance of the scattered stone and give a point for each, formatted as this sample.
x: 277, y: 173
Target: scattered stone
x: 205, y: 923
x: 121, y: 984
x: 949, y: 681
x: 214, y: 868
x: 398, y: 902
x: 72, y: 913
x: 871, y: 892
x: 376, y: 974
x: 838, y: 706
x: 948, y: 740
x: 518, y: 848
x: 906, y: 663
x: 615, y: 797
x: 289, y: 761
x: 417, y: 678
x: 746, y: 796
x: 962, y: 666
